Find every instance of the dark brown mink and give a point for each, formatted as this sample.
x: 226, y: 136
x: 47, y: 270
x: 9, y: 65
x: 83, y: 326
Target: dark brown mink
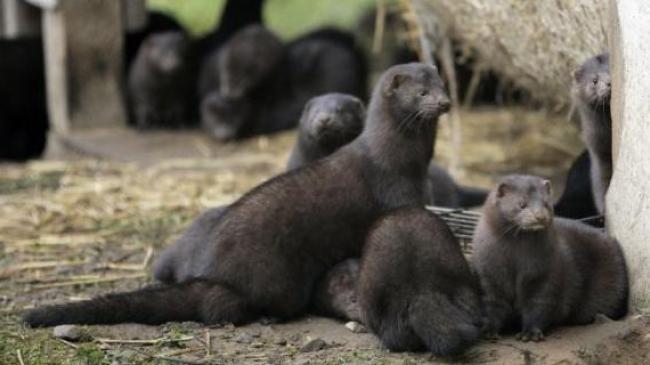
x: 445, y: 192
x: 538, y: 271
x: 577, y: 199
x: 336, y: 294
x: 416, y: 289
x: 323, y: 61
x: 328, y: 122
x: 24, y: 119
x: 591, y: 95
x: 160, y: 82
x: 268, y: 254
x: 247, y: 59
x: 236, y: 15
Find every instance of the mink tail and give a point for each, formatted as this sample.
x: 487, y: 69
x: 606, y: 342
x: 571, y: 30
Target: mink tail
x: 446, y: 327
x: 193, y: 301
x: 471, y: 197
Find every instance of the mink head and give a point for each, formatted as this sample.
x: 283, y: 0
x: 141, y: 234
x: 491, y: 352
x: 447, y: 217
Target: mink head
x: 415, y: 94
x: 524, y: 202
x: 166, y: 51
x: 248, y: 58
x: 223, y: 117
x: 332, y: 120
x: 592, y: 81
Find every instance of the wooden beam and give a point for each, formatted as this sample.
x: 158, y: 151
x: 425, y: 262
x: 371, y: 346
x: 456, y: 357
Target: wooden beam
x: 83, y: 63
x: 19, y: 19
x: 134, y: 14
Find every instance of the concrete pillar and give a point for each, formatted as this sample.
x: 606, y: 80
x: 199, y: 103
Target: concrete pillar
x: 83, y: 64
x: 628, y: 198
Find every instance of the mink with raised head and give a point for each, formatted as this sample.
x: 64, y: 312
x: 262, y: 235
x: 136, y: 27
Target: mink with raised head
x: 591, y: 94
x: 268, y: 253
x: 538, y: 271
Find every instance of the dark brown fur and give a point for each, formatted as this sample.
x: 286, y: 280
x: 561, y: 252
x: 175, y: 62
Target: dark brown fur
x: 328, y: 122
x: 416, y: 289
x: 536, y: 271
x: 160, y: 82
x: 323, y: 61
x: 336, y: 293
x: 247, y: 59
x: 269, y: 254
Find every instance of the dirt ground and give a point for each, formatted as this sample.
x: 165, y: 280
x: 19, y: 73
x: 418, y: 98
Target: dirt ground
x: 72, y: 227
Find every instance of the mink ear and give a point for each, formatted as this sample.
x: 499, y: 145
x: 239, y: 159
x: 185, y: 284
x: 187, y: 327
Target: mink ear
x: 547, y: 186
x: 305, y: 110
x: 502, y: 189
x: 394, y: 83
x: 577, y: 75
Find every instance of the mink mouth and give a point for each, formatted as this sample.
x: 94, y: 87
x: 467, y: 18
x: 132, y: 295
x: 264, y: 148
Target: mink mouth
x: 533, y: 227
x: 434, y: 110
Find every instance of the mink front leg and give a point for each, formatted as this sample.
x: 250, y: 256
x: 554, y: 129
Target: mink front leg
x: 538, y: 304
x: 497, y: 309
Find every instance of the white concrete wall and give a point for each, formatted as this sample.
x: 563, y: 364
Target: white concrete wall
x: 628, y: 198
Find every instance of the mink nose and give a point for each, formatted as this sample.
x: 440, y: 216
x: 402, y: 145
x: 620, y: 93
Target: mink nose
x: 324, y: 120
x: 444, y: 104
x: 541, y: 216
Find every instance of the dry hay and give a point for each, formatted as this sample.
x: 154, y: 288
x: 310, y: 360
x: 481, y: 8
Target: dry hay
x: 65, y: 225
x: 535, y: 44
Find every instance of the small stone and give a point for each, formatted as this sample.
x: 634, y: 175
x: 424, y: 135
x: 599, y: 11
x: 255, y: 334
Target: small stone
x: 316, y: 344
x: 69, y: 332
x: 295, y: 337
x: 646, y: 338
x: 601, y: 318
x: 244, y: 338
x: 356, y: 327
x: 257, y: 345
x: 228, y: 327
x: 281, y: 342
x: 628, y: 333
x: 267, y: 321
x: 301, y: 362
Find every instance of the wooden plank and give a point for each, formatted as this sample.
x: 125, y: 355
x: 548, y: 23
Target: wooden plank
x: 134, y: 14
x: 19, y: 19
x: 83, y: 62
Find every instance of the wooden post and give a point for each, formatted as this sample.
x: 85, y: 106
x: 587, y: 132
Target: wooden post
x: 135, y: 14
x: 19, y: 19
x: 628, y: 198
x: 83, y: 63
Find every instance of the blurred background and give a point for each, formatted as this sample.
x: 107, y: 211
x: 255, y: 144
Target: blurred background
x: 289, y: 18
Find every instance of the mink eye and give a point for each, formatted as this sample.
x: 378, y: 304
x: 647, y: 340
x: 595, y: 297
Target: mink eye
x: 424, y: 92
x: 595, y: 81
x: 523, y: 204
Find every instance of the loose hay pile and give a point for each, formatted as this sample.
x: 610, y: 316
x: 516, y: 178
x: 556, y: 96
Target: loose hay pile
x: 535, y: 44
x: 82, y: 223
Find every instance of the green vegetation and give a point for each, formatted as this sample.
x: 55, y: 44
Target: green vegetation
x: 287, y: 17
